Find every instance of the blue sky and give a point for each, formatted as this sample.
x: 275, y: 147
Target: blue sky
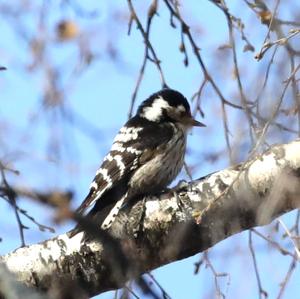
x: 101, y: 94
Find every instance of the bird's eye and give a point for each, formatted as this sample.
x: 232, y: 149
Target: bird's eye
x: 181, y: 110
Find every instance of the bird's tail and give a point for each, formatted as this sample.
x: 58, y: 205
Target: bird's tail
x: 95, y: 218
x: 102, y: 216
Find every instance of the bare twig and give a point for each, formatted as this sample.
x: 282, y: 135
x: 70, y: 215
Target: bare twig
x: 261, y: 291
x: 282, y: 41
x: 291, y: 238
x: 11, y: 196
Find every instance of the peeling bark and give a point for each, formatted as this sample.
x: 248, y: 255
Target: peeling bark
x: 160, y: 229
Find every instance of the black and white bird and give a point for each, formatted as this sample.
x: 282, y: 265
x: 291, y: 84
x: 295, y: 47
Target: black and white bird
x: 146, y: 155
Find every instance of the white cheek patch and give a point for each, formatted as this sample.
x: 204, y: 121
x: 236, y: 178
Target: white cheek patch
x: 154, y: 112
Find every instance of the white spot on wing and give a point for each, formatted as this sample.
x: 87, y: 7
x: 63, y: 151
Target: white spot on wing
x: 129, y: 130
x: 133, y: 150
x: 105, y: 175
x: 113, y: 213
x: 127, y: 133
x: 118, y: 146
x: 94, y: 185
x: 120, y: 164
x: 154, y: 112
x: 108, y: 157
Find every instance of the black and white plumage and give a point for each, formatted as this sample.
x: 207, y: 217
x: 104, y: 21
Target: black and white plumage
x: 146, y: 155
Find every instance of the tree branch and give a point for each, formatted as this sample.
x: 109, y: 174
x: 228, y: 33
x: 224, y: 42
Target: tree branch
x: 174, y: 225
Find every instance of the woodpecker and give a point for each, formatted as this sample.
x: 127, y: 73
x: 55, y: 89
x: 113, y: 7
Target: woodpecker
x: 146, y: 155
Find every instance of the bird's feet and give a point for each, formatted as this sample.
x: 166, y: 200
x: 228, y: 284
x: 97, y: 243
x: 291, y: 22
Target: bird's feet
x: 182, y: 185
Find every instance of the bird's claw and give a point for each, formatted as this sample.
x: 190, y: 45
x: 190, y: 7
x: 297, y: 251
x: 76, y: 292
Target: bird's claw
x: 181, y: 185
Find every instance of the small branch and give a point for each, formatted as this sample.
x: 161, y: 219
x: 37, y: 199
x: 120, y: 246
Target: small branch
x: 261, y: 291
x: 10, y: 195
x: 287, y: 278
x: 282, y: 41
x: 151, y: 14
x: 145, y: 35
x: 174, y: 12
x: 291, y: 237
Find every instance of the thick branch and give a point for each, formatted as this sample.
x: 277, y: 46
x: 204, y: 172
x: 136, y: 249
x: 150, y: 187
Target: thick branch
x: 175, y: 225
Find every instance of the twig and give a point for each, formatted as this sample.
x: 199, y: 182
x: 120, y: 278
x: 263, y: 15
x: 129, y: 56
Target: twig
x: 287, y: 278
x: 11, y: 196
x: 282, y: 41
x: 151, y: 14
x: 261, y: 291
x: 145, y: 34
x: 291, y: 237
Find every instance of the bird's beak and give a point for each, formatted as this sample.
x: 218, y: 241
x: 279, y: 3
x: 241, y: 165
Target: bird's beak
x: 196, y: 123
x: 191, y: 122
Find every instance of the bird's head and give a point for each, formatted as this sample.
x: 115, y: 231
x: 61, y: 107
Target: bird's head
x: 168, y: 105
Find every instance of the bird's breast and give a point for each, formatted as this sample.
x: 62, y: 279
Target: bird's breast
x: 163, y: 167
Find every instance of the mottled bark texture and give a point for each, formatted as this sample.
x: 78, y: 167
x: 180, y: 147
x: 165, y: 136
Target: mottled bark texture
x: 174, y: 225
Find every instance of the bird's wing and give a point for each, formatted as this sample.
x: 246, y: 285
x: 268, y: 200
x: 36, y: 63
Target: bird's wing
x: 133, y: 146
